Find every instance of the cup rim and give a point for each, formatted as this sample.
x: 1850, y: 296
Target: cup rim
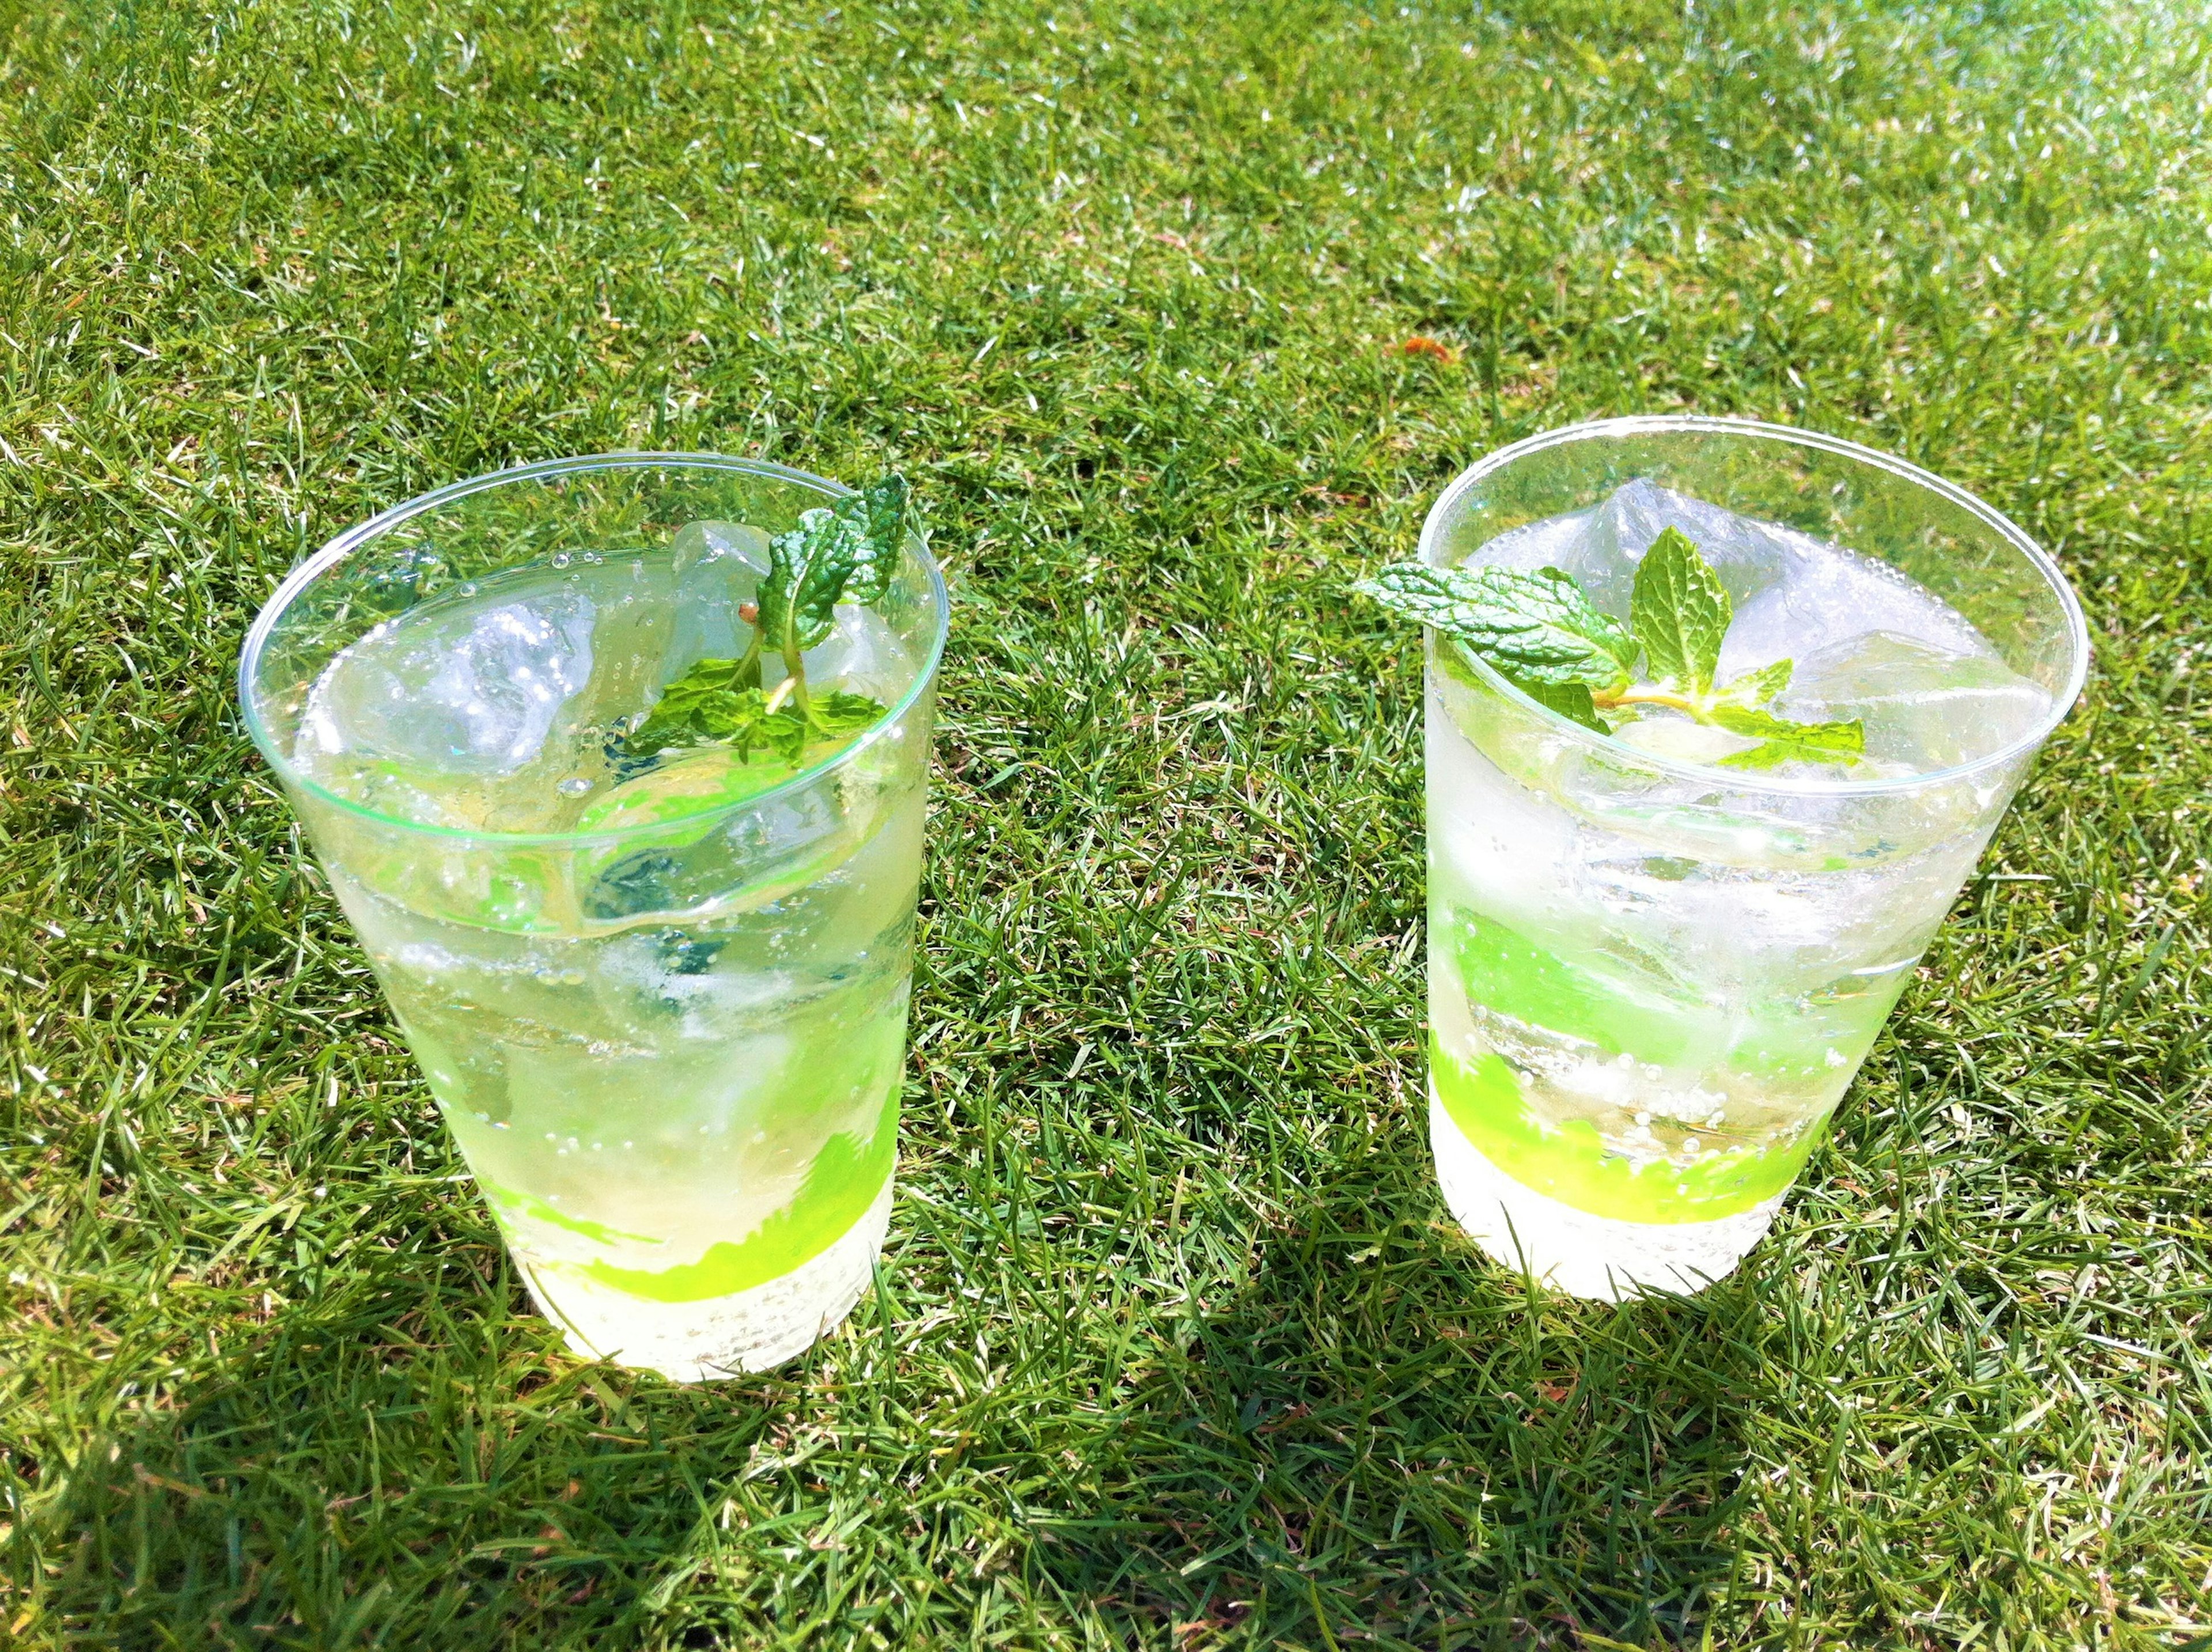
x: 1662, y: 423
x: 364, y: 532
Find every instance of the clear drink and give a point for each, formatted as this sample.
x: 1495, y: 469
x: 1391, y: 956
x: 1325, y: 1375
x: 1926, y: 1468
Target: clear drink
x: 662, y: 1006
x: 1651, y: 977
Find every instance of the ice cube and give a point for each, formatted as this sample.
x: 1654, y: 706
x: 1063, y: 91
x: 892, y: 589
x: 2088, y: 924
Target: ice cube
x: 1749, y: 555
x: 1554, y: 542
x: 718, y: 567
x: 715, y: 777
x: 702, y: 544
x: 660, y: 982
x: 1494, y: 841
x: 1602, y: 546
x: 1924, y: 705
x: 1827, y: 595
x: 475, y: 694
x: 695, y: 864
x: 391, y: 789
x: 1792, y: 592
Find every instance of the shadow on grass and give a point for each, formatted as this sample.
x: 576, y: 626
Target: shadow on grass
x: 407, y: 1460
x: 1374, y: 1438
x: 1382, y: 1439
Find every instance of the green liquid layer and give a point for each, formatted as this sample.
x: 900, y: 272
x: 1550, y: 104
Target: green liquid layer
x: 1804, y: 1046
x: 511, y: 1206
x: 1800, y: 1053
x: 1571, y: 1163
x: 841, y: 1184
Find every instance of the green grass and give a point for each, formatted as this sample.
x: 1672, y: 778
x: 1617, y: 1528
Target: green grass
x: 1176, y: 1346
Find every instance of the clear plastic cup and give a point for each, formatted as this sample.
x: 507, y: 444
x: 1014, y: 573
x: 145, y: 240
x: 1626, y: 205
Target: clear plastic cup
x: 668, y: 1043
x: 1651, y: 980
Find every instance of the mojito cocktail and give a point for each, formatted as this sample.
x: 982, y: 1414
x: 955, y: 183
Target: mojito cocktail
x: 646, y: 927
x: 1677, y: 883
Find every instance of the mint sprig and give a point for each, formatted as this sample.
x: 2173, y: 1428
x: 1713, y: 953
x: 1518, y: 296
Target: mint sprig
x: 1542, y: 633
x: 838, y: 552
x: 841, y: 553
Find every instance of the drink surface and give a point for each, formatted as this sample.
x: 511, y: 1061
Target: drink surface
x: 673, y: 1066
x: 490, y: 707
x: 1649, y: 983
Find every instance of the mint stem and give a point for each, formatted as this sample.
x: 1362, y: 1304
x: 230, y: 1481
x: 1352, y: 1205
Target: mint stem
x: 795, y: 663
x: 748, y: 674
x: 1649, y: 696
x: 1698, y: 709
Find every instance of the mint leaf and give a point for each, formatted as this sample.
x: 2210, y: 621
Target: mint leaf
x: 1781, y: 740
x: 783, y: 732
x: 808, y: 567
x: 1758, y: 688
x: 1680, y: 613
x: 1570, y: 700
x: 1766, y: 725
x: 1772, y: 754
x: 837, y: 553
x: 829, y: 723
x: 701, y: 707
x: 1535, y: 628
x: 1434, y: 596
x: 839, y: 715
x: 882, y: 515
x: 703, y: 704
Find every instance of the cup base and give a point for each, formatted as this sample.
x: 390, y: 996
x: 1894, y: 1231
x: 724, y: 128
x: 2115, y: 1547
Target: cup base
x: 720, y: 1337
x: 1598, y: 1257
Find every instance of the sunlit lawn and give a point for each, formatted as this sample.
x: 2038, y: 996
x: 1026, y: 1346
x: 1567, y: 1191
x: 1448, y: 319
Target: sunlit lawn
x: 1175, y: 1346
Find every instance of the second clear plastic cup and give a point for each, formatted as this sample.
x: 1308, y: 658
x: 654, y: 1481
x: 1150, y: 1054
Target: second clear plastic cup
x: 1651, y: 980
